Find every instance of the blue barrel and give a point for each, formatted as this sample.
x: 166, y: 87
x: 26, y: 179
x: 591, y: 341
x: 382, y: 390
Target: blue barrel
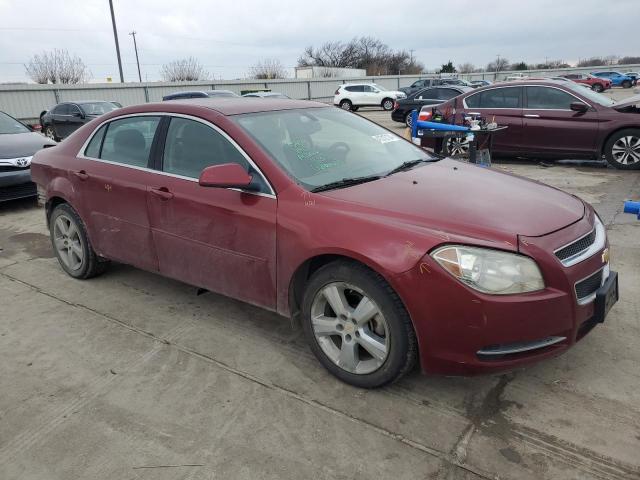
x: 632, y: 207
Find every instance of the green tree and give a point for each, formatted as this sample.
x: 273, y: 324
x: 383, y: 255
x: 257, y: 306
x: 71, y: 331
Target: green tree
x: 448, y: 68
x: 520, y: 66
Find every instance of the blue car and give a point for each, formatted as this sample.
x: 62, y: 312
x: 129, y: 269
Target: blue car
x: 617, y: 79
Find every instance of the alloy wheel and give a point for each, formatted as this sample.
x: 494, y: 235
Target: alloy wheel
x: 458, y: 146
x: 48, y: 132
x: 387, y: 105
x: 350, y: 328
x: 345, y: 105
x: 626, y: 150
x: 66, y: 238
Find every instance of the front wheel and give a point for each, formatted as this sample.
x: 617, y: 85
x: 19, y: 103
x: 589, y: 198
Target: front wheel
x: 408, y: 120
x: 387, y: 104
x: 50, y: 133
x: 597, y: 87
x: 626, y: 84
x: 71, y: 244
x: 456, y: 147
x: 622, y: 150
x: 357, y: 325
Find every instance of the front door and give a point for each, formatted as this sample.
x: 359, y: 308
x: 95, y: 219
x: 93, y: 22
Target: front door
x: 551, y: 127
x: 220, y: 239
x: 115, y: 177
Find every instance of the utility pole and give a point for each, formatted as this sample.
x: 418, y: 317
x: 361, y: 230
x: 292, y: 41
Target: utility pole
x: 135, y: 46
x: 411, y: 55
x: 115, y: 36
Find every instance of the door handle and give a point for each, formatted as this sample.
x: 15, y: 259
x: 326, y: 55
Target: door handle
x: 82, y: 175
x: 163, y: 193
x: 532, y: 115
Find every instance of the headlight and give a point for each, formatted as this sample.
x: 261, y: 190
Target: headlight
x: 490, y: 271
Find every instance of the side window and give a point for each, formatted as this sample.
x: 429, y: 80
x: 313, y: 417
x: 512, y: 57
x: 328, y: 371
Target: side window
x: 61, y: 109
x: 192, y: 146
x: 73, y: 109
x: 447, y: 93
x: 473, y: 101
x: 548, y: 98
x: 129, y: 140
x: 355, y: 88
x: 93, y: 149
x: 367, y: 88
x: 500, y: 98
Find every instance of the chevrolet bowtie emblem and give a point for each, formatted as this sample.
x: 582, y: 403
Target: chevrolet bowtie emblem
x: 605, y: 255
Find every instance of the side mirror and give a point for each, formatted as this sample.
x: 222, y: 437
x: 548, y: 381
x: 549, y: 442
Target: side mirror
x: 579, y: 107
x: 227, y: 175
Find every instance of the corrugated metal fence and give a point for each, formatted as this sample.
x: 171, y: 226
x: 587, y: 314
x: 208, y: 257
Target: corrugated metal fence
x: 26, y: 102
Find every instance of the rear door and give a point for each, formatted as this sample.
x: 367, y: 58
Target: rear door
x: 551, y: 127
x: 60, y: 119
x: 221, y: 239
x: 502, y: 105
x: 114, y: 189
x: 371, y: 95
x: 356, y: 94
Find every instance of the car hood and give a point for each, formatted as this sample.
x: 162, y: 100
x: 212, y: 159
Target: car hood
x: 468, y: 200
x: 627, y: 102
x: 22, y: 144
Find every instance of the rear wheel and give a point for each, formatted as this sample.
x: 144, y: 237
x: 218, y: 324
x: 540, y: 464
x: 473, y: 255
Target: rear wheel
x: 50, y: 133
x: 456, y: 147
x: 357, y: 325
x: 597, y: 87
x: 354, y: 108
x: 407, y: 119
x: 622, y: 150
x: 71, y: 244
x: 346, y: 105
x: 387, y: 104
x: 626, y: 84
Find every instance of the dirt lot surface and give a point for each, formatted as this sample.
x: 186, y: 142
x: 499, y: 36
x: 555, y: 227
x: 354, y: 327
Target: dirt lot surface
x: 134, y: 376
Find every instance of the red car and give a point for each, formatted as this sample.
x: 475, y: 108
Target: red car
x: 384, y: 253
x: 597, y: 84
x: 555, y: 120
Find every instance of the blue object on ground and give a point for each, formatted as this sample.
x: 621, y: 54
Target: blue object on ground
x: 632, y: 207
x: 441, y: 126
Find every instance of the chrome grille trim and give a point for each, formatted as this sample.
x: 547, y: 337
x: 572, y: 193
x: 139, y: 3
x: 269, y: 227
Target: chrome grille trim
x: 597, y: 245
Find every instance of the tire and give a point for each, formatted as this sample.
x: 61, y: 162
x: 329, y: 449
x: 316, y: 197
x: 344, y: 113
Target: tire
x: 626, y: 84
x: 338, y: 338
x: 622, y: 149
x: 50, y: 133
x: 346, y: 105
x: 407, y: 119
x: 354, y: 108
x: 71, y: 244
x: 387, y: 104
x: 597, y: 87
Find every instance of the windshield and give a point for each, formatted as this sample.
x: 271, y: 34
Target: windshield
x: 9, y: 125
x: 97, y: 108
x: 318, y: 146
x: 590, y: 94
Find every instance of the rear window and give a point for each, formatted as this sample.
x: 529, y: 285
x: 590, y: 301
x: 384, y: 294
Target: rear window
x: 496, y: 98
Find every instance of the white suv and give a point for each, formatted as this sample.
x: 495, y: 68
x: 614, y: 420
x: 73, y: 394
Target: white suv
x: 351, y: 96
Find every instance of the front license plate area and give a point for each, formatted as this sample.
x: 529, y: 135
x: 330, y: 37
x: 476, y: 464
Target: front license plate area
x: 606, y: 297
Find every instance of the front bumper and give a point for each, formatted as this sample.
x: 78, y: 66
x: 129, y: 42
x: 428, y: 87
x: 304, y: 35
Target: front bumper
x: 16, y: 184
x: 398, y: 115
x: 464, y: 332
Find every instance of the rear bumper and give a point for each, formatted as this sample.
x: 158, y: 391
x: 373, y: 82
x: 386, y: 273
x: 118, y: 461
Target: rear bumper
x: 464, y: 332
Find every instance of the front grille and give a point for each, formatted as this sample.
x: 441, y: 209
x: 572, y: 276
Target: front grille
x: 589, y: 285
x: 577, y: 247
x: 8, y: 168
x: 18, y: 191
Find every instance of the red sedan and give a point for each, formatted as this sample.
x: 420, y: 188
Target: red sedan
x: 384, y: 253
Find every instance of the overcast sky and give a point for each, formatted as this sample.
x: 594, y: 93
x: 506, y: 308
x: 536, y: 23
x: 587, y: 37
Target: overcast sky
x: 227, y: 37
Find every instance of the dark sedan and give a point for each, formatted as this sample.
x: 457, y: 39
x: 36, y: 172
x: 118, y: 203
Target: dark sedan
x: 18, y: 143
x: 427, y: 96
x: 555, y: 120
x: 65, y: 118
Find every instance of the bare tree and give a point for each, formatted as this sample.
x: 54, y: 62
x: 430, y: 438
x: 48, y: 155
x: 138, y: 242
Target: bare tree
x: 629, y: 60
x: 466, y: 67
x: 57, y: 66
x: 499, y: 65
x: 183, y: 70
x: 268, y: 69
x: 366, y: 53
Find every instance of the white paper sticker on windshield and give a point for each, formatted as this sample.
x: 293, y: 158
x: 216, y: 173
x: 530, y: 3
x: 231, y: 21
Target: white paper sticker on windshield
x: 385, y: 138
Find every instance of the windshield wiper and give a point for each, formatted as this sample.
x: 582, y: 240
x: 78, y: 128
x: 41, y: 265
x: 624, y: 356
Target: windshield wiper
x: 407, y: 165
x: 345, y: 182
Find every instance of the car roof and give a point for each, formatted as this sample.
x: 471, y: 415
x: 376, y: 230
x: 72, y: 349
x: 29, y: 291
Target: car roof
x: 230, y: 105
